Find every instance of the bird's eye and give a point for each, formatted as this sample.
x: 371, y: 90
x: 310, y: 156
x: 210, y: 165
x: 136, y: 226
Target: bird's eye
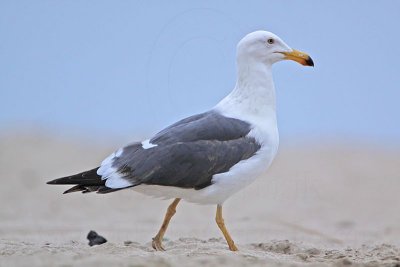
x: 270, y: 41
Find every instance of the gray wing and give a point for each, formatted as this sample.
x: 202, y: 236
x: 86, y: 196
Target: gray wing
x: 206, y: 126
x: 188, y: 153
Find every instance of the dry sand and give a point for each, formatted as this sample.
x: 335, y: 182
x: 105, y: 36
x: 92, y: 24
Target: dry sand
x: 319, y: 205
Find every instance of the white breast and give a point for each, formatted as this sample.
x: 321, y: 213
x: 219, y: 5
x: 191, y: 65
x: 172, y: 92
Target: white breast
x: 253, y: 101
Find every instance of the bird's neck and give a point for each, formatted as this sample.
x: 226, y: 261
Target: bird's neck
x: 254, y: 92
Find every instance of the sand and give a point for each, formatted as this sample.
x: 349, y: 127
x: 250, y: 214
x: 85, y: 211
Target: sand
x: 326, y: 204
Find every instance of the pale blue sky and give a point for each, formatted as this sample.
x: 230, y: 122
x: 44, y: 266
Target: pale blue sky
x: 129, y: 68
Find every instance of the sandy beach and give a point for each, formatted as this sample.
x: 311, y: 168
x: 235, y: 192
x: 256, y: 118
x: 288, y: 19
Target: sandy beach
x: 325, y: 204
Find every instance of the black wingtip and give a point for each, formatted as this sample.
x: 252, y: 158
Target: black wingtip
x: 56, y: 181
x: 75, y: 188
x: 105, y: 190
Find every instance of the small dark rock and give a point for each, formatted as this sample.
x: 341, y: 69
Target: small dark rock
x: 95, y: 239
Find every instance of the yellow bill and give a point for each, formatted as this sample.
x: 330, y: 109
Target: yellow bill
x: 299, y: 57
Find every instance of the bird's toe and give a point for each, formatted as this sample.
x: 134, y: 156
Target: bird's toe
x: 157, y: 245
x: 233, y: 247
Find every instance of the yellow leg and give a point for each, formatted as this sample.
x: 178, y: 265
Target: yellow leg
x: 157, y: 240
x: 221, y: 225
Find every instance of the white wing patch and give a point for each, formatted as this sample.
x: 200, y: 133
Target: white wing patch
x: 110, y: 174
x: 146, y: 144
x: 115, y: 181
x: 106, y: 165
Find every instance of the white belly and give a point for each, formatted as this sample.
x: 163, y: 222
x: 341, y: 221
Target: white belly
x: 239, y: 176
x: 223, y: 184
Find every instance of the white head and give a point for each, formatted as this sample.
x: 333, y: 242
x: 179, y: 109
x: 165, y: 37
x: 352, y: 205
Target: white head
x: 265, y: 47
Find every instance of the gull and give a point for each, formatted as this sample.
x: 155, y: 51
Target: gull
x: 208, y: 157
